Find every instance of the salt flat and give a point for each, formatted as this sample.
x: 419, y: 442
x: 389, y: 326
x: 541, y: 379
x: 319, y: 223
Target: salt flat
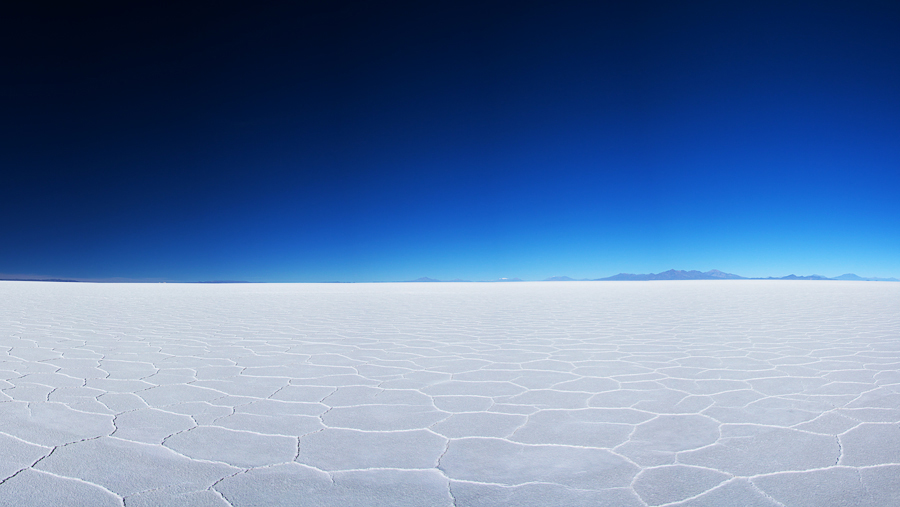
x: 693, y: 393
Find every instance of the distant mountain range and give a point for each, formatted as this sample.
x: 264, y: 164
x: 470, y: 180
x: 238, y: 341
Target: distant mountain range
x: 851, y: 276
x: 715, y: 274
x: 675, y: 274
x: 426, y: 279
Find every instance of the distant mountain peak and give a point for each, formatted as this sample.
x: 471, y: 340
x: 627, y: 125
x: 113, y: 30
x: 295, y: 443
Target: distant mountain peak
x: 849, y: 276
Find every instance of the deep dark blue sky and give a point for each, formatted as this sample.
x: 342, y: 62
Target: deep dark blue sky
x: 387, y: 141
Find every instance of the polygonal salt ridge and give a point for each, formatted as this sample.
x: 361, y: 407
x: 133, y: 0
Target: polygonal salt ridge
x: 871, y: 444
x: 673, y: 483
x: 475, y: 494
x: 657, y: 441
x: 733, y: 492
x: 177, y: 496
x: 35, y: 487
x: 82, y: 373
x: 600, y: 428
x: 887, y: 377
x: 302, y: 393
x: 479, y: 424
x: 25, y: 367
x: 117, y: 386
x: 255, y: 387
x: 659, y: 399
x: 549, y: 364
x: 499, y: 461
x: 548, y: 399
x: 825, y: 486
x: 333, y: 381
x: 866, y: 376
x: 70, y: 395
x: 162, y: 396
x: 284, y: 484
x: 418, y: 379
x: 17, y: 454
x: 879, y: 397
x: 127, y: 370
x: 33, y: 353
x: 350, y: 396
x: 245, y: 449
x: 772, y: 411
x: 604, y: 369
x: 705, y: 386
x: 278, y: 424
x: 848, y: 389
x: 51, y: 424
x: 28, y: 392
x: 66, y: 361
x: 454, y: 403
x: 453, y: 365
x: 829, y: 423
x: 121, y: 402
x: 149, y: 425
x: 216, y: 372
x: 126, y: 467
x: 591, y: 385
x: 463, y: 388
x: 53, y: 380
x: 748, y: 450
x: 392, y: 417
x: 297, y: 370
x: 501, y: 375
x: 172, y: 376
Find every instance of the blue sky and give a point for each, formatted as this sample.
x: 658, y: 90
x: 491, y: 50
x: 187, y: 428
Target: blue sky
x: 361, y: 142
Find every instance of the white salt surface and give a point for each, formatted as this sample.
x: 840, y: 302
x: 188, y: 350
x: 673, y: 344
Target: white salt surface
x: 721, y: 393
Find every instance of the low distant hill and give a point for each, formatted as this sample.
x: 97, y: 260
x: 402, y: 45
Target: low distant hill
x: 426, y: 279
x: 559, y: 279
x: 33, y: 278
x: 795, y: 277
x: 12, y: 279
x: 857, y: 278
x: 674, y: 274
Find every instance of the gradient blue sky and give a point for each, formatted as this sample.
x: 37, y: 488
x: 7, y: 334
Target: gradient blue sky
x: 361, y: 141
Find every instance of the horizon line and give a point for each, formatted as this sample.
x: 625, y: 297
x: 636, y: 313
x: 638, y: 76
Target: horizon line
x: 710, y: 275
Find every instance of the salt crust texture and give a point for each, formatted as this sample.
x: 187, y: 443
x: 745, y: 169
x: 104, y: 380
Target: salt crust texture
x: 699, y: 393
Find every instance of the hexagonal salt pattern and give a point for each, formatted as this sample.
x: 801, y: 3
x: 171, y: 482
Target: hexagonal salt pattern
x: 721, y: 393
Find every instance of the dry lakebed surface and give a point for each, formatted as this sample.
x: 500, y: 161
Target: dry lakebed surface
x: 686, y: 393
